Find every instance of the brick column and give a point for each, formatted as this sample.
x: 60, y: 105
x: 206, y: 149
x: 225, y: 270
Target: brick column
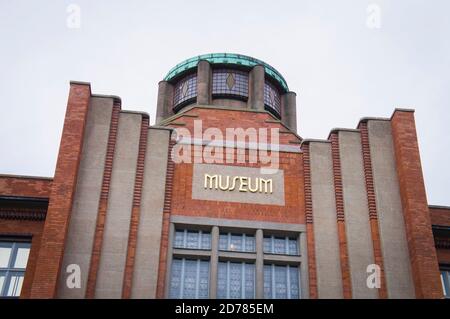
x: 62, y: 193
x: 313, y: 294
x: 419, y: 235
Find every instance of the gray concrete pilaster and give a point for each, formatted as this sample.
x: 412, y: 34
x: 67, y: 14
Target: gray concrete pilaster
x: 259, y: 264
x: 304, y: 280
x: 289, y: 110
x: 256, y: 88
x: 214, y: 262
x: 204, y: 83
x: 165, y: 101
x: 169, y: 260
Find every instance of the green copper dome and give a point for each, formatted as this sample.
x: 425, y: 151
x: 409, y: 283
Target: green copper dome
x: 226, y: 58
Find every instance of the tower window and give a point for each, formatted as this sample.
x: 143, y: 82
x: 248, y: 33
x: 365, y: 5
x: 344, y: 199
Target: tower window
x: 272, y: 98
x: 185, y: 90
x: 230, y: 83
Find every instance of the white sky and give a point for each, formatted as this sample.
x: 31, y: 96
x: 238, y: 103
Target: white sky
x: 341, y: 69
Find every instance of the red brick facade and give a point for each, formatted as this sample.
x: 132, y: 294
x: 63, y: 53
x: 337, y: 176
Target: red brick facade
x: 18, y: 225
x: 61, y: 196
x: 48, y: 228
x: 415, y: 207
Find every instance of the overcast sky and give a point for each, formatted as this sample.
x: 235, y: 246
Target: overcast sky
x: 332, y: 53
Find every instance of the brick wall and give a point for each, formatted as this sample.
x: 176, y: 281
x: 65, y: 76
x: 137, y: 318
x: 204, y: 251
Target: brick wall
x: 24, y: 186
x: 18, y: 225
x: 181, y: 189
x: 415, y: 207
x: 440, y: 215
x: 62, y: 192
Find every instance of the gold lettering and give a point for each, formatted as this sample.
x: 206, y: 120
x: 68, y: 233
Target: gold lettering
x: 233, y: 186
x: 221, y: 182
x: 267, y: 185
x: 253, y: 190
x: 227, y: 185
x: 244, y: 183
x: 210, y: 179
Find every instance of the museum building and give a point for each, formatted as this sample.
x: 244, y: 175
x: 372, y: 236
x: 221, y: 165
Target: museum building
x: 180, y: 209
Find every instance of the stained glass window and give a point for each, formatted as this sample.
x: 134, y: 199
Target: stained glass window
x: 192, y: 239
x: 237, y: 242
x: 13, y: 262
x: 281, y: 282
x: 236, y: 280
x: 272, y: 97
x: 185, y: 90
x: 280, y: 245
x: 228, y: 82
x: 189, y: 279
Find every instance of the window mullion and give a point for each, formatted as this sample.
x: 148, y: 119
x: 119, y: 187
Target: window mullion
x: 243, y: 281
x: 182, y: 279
x: 272, y: 244
x: 228, y: 280
x: 288, y: 282
x: 197, y: 282
x: 273, y: 281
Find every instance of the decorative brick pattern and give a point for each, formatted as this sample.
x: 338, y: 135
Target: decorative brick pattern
x: 23, y: 214
x: 415, y: 207
x: 372, y: 205
x: 165, y: 224
x: 103, y: 204
x: 62, y: 193
x: 135, y: 213
x: 313, y: 294
x: 345, y: 267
